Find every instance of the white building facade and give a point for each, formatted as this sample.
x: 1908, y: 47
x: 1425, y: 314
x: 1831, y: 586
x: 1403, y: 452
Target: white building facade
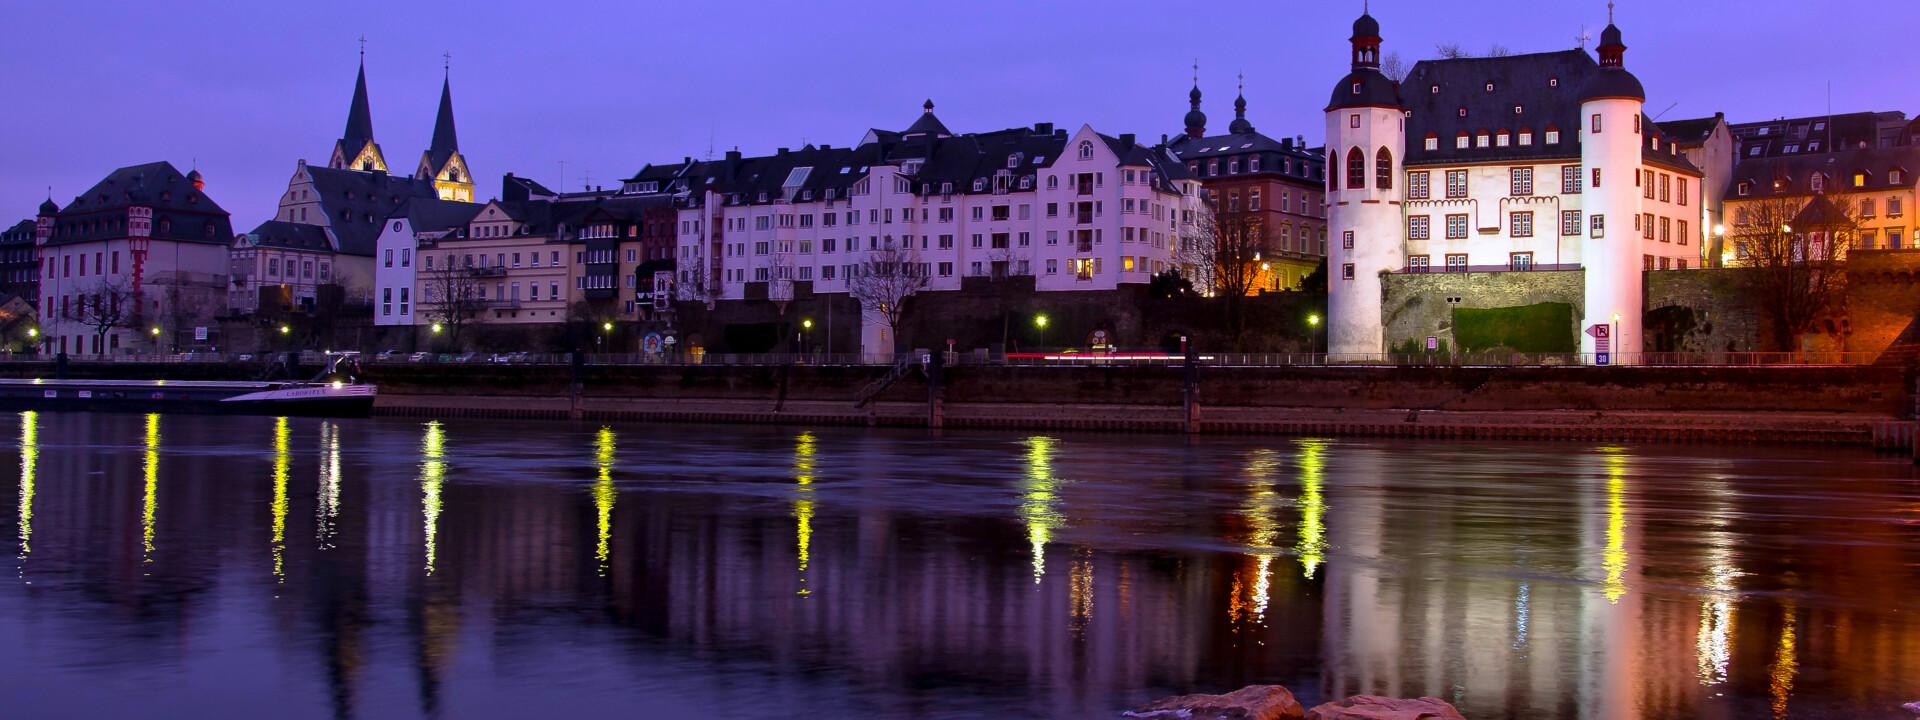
x: 1507, y: 164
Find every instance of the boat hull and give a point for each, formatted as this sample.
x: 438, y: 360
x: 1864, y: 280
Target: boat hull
x: 200, y: 398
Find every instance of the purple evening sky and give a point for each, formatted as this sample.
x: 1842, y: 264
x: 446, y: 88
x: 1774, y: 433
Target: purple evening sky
x: 248, y: 88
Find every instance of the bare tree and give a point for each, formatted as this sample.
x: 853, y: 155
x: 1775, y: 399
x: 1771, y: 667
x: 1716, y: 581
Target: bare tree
x: 112, y: 304
x: 1393, y: 67
x: 1451, y: 51
x: 1797, y: 250
x: 1240, y: 244
x: 780, y: 272
x: 1498, y: 50
x: 1196, y: 250
x: 884, y: 283
x: 699, y: 282
x: 451, y: 298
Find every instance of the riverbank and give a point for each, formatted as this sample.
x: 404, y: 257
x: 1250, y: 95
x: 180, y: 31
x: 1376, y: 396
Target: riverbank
x: 1786, y: 405
x: 1845, y: 405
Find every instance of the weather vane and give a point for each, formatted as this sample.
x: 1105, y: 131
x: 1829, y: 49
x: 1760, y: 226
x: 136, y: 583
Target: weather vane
x: 363, y: 47
x: 448, y: 64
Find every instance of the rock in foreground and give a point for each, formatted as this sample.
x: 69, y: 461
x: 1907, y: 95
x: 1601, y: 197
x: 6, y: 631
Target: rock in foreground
x: 1374, y: 707
x: 1253, y: 702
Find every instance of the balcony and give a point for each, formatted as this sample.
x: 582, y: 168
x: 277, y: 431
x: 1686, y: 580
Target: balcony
x: 489, y: 272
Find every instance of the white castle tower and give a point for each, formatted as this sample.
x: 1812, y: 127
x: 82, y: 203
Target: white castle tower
x: 1610, y: 153
x: 1366, y: 144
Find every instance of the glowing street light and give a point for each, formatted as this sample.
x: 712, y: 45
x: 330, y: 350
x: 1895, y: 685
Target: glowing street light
x: 33, y: 332
x: 1720, y: 230
x: 808, y: 324
x: 283, y: 330
x: 607, y: 327
x: 436, y: 327
x: 1040, y: 320
x: 156, y: 332
x: 1313, y: 319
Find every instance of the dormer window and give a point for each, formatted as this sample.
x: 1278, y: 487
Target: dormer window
x: 1553, y: 82
x: 1819, y: 182
x: 1893, y: 176
x: 1516, y: 109
x: 1460, y: 141
x: 1481, y: 139
x: 1253, y: 164
x: 1489, y: 87
x: 1356, y: 88
x: 1859, y: 180
x: 1744, y: 189
x: 1526, y: 138
x: 1434, y: 90
x: 1013, y: 161
x: 1553, y: 136
x: 1500, y: 140
x: 979, y: 184
x: 1463, y: 111
x: 1813, y: 146
x: 1433, y: 141
x: 1793, y: 148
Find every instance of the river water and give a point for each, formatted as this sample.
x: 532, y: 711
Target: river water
x: 199, y: 567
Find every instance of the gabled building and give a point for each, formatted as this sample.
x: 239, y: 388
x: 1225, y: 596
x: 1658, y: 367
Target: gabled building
x: 1875, y: 186
x: 1521, y: 163
x: 350, y: 200
x: 1075, y: 211
x: 1279, y: 185
x: 418, y: 223
x: 133, y: 264
x: 20, y: 262
x: 1823, y: 134
x: 1709, y: 144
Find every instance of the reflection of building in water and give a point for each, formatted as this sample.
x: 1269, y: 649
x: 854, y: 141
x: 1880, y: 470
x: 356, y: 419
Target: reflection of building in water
x: 433, y: 470
x: 327, y: 512
x: 29, y: 456
x: 151, y: 500
x: 1428, y: 602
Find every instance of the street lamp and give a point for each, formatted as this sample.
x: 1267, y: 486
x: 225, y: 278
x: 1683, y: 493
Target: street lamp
x: 1040, y: 321
x: 1313, y: 333
x: 283, y: 330
x: 436, y: 327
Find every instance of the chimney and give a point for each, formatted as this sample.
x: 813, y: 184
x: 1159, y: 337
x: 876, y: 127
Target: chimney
x: 1300, y: 141
x: 1043, y: 128
x: 826, y: 147
x: 733, y: 164
x: 1286, y: 143
x: 1126, y: 139
x: 781, y: 151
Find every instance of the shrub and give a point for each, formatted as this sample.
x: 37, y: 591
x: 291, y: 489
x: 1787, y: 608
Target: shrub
x: 1541, y: 327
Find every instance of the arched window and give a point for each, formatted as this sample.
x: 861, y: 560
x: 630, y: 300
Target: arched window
x: 1383, y: 169
x: 1356, y: 169
x: 1086, y: 149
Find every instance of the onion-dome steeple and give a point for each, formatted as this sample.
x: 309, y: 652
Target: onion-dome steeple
x: 48, y: 209
x: 1613, y: 80
x: 1240, y: 126
x: 1365, y: 86
x: 1196, y: 120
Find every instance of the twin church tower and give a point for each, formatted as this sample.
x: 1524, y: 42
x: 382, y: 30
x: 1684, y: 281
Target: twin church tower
x: 1499, y: 164
x: 441, y: 164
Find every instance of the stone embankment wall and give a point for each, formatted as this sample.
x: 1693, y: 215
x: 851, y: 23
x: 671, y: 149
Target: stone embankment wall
x: 1417, y: 306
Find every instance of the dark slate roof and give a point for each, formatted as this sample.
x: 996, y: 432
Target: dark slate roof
x: 95, y: 214
x: 1365, y: 27
x: 443, y: 135
x: 434, y: 215
x: 1657, y: 147
x: 1612, y: 83
x: 1691, y: 133
x: 359, y: 115
x: 927, y: 123
x: 1820, y: 212
x: 290, y: 235
x: 1793, y: 172
x: 48, y: 208
x: 519, y: 188
x: 1542, y: 85
x: 356, y: 202
x: 20, y: 233
x: 1819, y: 134
x: 1303, y: 164
x: 1365, y: 87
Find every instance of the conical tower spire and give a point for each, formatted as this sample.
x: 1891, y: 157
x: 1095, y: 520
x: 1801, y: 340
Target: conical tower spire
x: 359, y: 115
x: 443, y: 135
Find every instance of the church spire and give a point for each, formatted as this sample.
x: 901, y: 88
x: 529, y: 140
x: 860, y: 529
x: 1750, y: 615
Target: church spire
x: 359, y: 116
x: 1196, y: 120
x: 443, y: 136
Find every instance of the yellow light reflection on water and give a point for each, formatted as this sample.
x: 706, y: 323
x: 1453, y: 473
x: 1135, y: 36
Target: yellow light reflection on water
x: 1786, y: 664
x: 152, y: 501
x: 1615, y: 559
x: 1039, y: 492
x: 29, y: 455
x: 327, y: 515
x: 603, y: 493
x: 1313, y: 505
x: 803, y: 506
x: 1080, y: 592
x: 280, y: 463
x: 433, y: 471
x: 1247, y: 600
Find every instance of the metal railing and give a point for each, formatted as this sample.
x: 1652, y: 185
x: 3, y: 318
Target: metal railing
x: 1065, y: 358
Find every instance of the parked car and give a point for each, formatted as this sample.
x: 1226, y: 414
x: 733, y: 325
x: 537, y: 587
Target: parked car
x: 420, y: 357
x: 466, y: 357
